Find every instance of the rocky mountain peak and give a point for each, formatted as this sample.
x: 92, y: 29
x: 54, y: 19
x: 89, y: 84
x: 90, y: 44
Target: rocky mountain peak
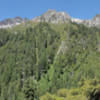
x: 97, y: 16
x: 7, y: 23
x: 53, y: 16
x: 50, y: 11
x: 95, y: 21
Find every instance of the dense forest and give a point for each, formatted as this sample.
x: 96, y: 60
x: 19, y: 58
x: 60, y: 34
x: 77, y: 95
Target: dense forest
x: 44, y: 61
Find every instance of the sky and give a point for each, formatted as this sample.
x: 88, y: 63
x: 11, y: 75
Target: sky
x: 83, y: 9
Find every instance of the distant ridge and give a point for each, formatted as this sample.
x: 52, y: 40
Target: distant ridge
x: 8, y: 23
x: 52, y: 16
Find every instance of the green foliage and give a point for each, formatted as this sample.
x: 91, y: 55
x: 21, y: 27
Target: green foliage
x: 90, y: 90
x: 57, y: 56
x: 30, y: 89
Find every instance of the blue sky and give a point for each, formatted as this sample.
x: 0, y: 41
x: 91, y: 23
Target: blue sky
x: 84, y: 9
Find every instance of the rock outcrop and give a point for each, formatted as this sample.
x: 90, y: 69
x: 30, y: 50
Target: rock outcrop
x: 8, y: 23
x: 95, y: 22
x: 53, y: 17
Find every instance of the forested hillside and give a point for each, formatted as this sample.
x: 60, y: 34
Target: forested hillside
x: 44, y: 61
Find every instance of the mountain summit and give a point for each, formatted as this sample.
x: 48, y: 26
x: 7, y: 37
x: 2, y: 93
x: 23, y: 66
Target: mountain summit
x: 53, y: 16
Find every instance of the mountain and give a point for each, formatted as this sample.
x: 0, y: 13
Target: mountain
x: 46, y: 61
x: 50, y: 59
x: 52, y: 16
x: 94, y: 22
x: 8, y: 23
x: 55, y: 17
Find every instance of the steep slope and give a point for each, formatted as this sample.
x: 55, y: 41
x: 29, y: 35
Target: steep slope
x: 47, y: 57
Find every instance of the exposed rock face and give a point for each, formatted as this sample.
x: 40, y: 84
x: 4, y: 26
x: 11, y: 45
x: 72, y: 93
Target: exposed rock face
x: 53, y: 17
x: 7, y: 23
x: 79, y: 21
x: 95, y: 22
